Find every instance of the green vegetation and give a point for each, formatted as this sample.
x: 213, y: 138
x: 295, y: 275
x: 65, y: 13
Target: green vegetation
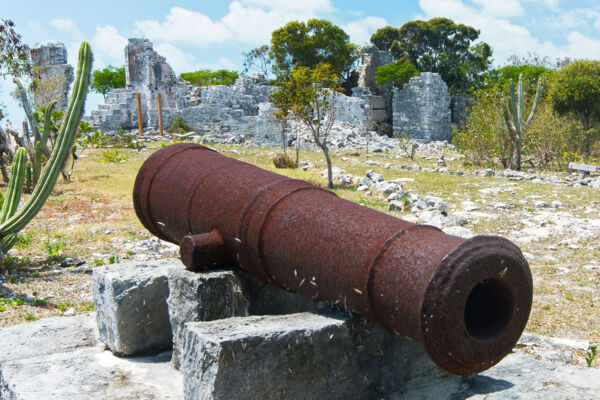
x: 395, y: 74
x: 106, y: 79
x: 438, y: 45
x: 206, y: 77
x: 310, y: 44
x: 575, y: 91
x: 13, y: 220
x: 179, y: 126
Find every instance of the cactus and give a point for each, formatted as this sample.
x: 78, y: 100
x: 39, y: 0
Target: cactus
x: 12, y: 224
x: 513, y: 116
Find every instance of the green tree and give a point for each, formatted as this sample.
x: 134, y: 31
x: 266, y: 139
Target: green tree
x: 575, y: 90
x: 107, y: 79
x: 502, y: 76
x: 310, y: 44
x: 258, y: 59
x: 395, y: 74
x: 311, y: 96
x: 439, y: 45
x: 206, y: 77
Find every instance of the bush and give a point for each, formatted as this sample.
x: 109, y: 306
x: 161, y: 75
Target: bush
x: 281, y: 160
x: 206, y: 77
x: 179, y: 126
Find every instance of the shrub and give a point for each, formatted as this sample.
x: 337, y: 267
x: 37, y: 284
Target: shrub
x: 283, y: 161
x: 179, y: 126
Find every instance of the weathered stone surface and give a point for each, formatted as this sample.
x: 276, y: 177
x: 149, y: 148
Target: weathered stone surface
x: 372, y: 58
x: 203, y: 296
x: 422, y: 108
x: 265, y: 299
x: 54, y: 73
x: 47, y: 336
x: 61, y: 359
x: 131, y: 305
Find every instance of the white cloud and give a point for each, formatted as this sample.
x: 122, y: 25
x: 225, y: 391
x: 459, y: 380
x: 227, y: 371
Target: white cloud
x: 504, y: 8
x: 504, y: 37
x: 296, y: 6
x: 184, y: 26
x: 248, y: 21
x: 360, y: 31
x: 574, y: 18
x: 64, y: 24
x: 108, y: 47
x: 549, y: 3
x: 580, y: 46
x: 179, y: 60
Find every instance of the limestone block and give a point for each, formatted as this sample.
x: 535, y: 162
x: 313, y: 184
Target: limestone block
x: 131, y: 306
x: 296, y: 356
x: 205, y: 296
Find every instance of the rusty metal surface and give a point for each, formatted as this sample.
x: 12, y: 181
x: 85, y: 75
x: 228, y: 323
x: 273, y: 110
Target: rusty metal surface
x: 466, y: 301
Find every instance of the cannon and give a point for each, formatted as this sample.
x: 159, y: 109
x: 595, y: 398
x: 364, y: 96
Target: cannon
x: 466, y: 301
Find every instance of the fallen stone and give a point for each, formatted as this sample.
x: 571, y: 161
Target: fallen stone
x: 205, y: 296
x: 131, y: 305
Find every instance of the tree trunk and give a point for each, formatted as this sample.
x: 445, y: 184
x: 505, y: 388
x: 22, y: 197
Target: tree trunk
x: 329, y: 168
x: 297, y: 147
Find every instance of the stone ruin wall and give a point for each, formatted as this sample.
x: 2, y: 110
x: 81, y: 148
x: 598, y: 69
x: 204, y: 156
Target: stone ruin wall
x: 54, y: 74
x: 423, y: 109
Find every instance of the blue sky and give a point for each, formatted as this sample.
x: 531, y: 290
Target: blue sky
x: 214, y: 34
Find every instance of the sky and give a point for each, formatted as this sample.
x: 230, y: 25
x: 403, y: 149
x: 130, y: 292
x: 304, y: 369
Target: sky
x: 215, y: 34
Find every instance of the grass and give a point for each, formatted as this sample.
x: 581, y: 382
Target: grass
x: 88, y: 217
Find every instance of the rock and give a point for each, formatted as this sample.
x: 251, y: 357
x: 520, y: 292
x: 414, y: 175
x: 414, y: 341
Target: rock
x: 131, y: 305
x: 458, y: 231
x: 432, y: 217
x: 362, y: 188
x: 386, y: 188
x: 70, y: 312
x: 456, y: 220
x: 541, y: 204
x: 395, y: 205
x: 441, y: 162
x: 71, y: 262
x: 201, y: 296
x: 591, y: 267
x: 375, y: 177
x: 366, y: 181
x: 556, y: 204
x: 61, y: 359
x: 297, y: 356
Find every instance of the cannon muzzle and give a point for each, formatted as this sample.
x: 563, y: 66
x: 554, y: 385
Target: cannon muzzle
x: 466, y: 301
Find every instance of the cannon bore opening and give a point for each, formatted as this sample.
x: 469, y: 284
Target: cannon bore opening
x: 488, y: 309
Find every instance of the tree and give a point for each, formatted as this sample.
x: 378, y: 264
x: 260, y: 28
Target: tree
x: 311, y: 93
x: 107, y: 79
x: 575, y: 90
x: 310, y: 44
x: 14, y: 55
x: 438, y: 45
x: 258, y: 58
x: 206, y: 77
x: 395, y: 74
x: 502, y: 76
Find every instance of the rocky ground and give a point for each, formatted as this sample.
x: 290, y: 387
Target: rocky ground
x: 554, y: 217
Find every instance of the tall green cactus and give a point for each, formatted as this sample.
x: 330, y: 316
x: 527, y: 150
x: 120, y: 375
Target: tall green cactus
x: 513, y: 116
x: 10, y: 227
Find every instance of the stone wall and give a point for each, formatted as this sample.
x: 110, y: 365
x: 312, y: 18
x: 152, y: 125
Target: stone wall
x: 461, y: 107
x: 422, y: 108
x: 54, y: 74
x: 241, y: 111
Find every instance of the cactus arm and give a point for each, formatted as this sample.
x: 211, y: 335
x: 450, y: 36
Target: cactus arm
x: 66, y: 137
x: 512, y: 107
x: 8, y: 241
x: 37, y: 162
x: 536, y: 102
x: 47, y: 123
x: 520, y: 98
x: 15, y: 185
x: 507, y: 119
x: 27, y: 108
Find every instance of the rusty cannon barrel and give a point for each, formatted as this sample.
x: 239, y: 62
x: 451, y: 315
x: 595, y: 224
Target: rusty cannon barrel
x: 466, y: 301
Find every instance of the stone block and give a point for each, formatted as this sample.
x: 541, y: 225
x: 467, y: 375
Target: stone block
x: 378, y: 115
x: 267, y: 299
x: 296, y: 356
x: 205, y: 296
x: 131, y: 306
x: 378, y: 102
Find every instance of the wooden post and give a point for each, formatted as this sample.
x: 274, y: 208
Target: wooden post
x: 139, y: 110
x: 160, y: 121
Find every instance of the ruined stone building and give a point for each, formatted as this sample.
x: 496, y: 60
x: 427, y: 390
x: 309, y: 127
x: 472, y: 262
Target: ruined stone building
x: 54, y: 75
x: 423, y: 109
